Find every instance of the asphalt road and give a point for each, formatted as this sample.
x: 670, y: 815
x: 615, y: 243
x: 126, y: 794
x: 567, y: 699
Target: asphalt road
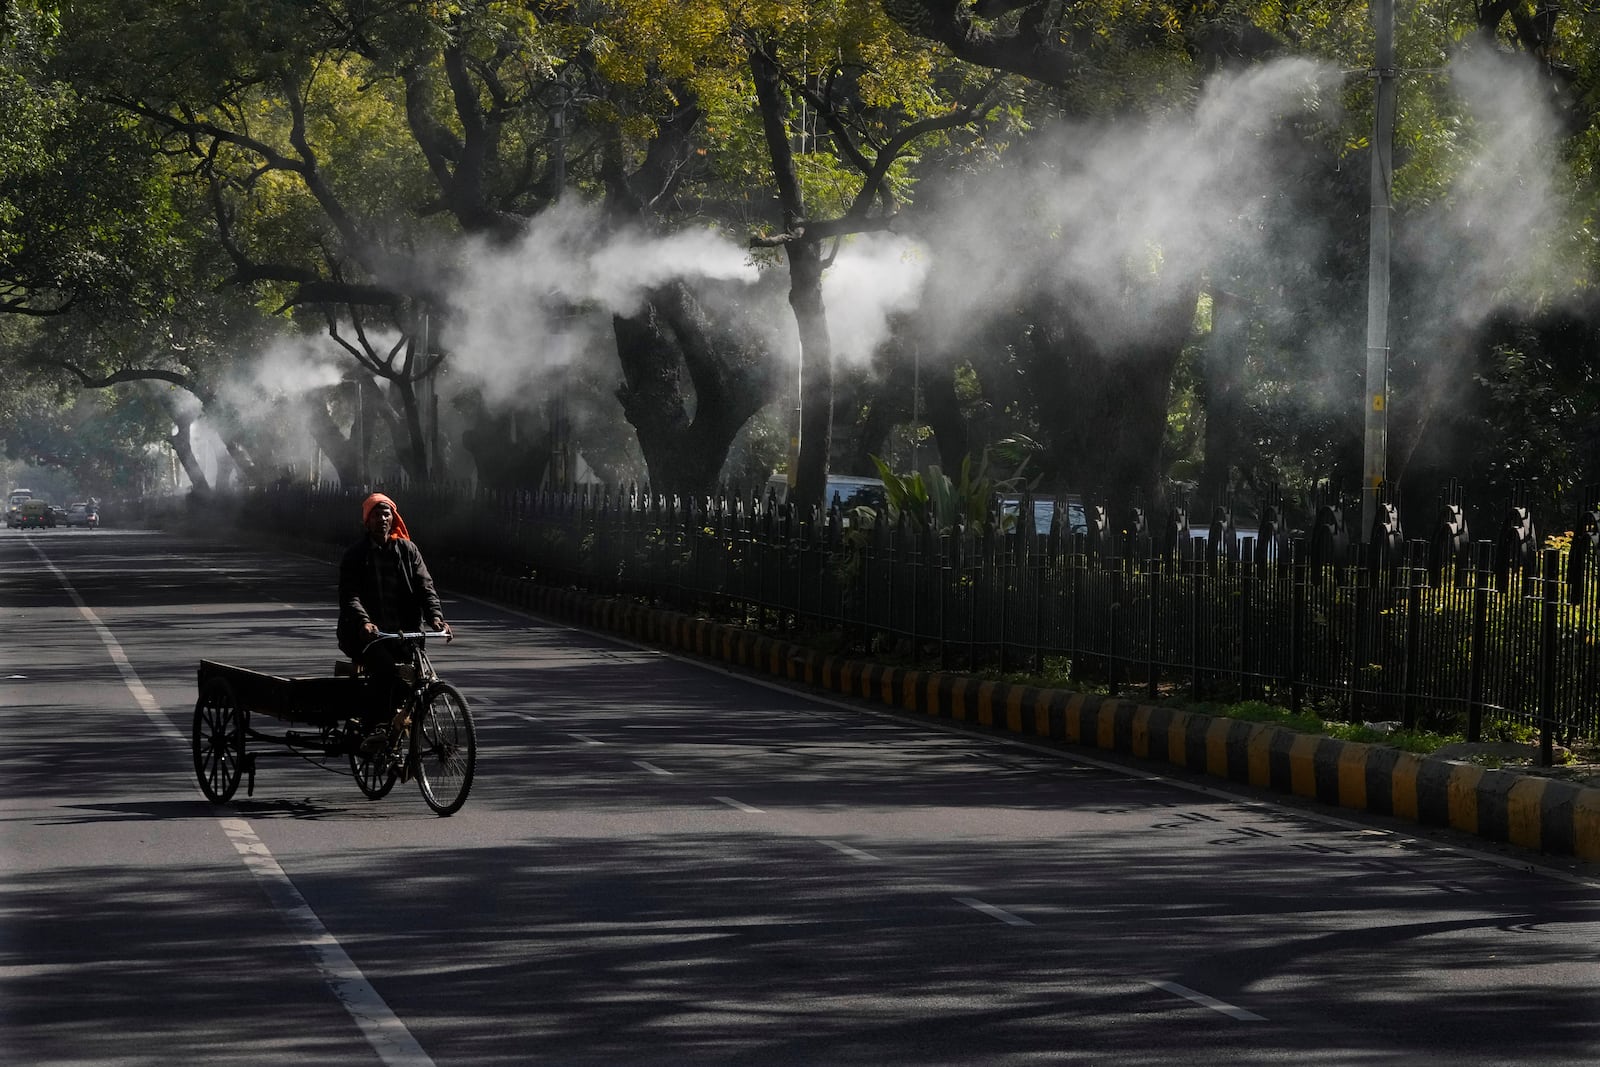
x: 662, y: 863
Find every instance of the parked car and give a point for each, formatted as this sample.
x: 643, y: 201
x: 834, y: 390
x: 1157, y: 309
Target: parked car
x: 82, y: 514
x: 35, y: 514
x: 848, y: 490
x: 1074, y: 519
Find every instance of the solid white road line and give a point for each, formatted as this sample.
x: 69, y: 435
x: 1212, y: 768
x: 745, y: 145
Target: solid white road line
x: 993, y: 912
x: 130, y: 678
x: 737, y: 805
x: 1209, y: 1002
x: 383, y: 1030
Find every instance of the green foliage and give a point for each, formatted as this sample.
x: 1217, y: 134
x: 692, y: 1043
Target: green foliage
x: 1418, y: 741
x: 933, y: 497
x: 106, y: 190
x: 95, y: 441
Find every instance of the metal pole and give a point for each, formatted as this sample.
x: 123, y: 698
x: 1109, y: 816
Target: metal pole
x: 1482, y: 576
x: 1549, y: 634
x: 916, y: 397
x: 431, y: 412
x: 1375, y: 454
x: 361, y: 434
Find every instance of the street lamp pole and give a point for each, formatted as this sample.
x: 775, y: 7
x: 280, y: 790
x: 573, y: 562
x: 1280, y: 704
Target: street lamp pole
x: 1376, y: 400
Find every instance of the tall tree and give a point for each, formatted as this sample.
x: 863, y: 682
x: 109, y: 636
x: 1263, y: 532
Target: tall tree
x: 876, y: 101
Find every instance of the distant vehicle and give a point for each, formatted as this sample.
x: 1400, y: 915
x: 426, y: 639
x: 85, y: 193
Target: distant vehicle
x: 13, y: 502
x: 1074, y: 519
x: 33, y: 514
x: 83, y: 514
x: 847, y: 490
x: 60, y: 514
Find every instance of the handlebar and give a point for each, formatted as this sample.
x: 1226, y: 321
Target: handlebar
x: 412, y: 634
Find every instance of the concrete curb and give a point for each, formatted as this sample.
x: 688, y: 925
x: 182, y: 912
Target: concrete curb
x: 1533, y: 812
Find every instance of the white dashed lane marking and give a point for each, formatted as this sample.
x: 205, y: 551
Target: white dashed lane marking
x: 993, y: 912
x: 851, y: 851
x: 1208, y: 1002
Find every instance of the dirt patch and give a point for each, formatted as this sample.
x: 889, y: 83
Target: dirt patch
x: 1580, y: 764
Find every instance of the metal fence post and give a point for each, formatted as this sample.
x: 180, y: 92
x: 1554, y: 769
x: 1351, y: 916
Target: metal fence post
x: 948, y: 571
x: 1362, y: 638
x: 1111, y: 636
x: 1002, y: 562
x: 1416, y: 579
x: 1201, y: 583
x: 1550, y: 594
x: 1300, y: 574
x: 1037, y: 572
x: 1248, y: 689
x: 1482, y: 575
x: 1153, y: 583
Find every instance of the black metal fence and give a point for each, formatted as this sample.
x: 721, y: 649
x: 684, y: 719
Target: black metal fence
x: 1450, y: 635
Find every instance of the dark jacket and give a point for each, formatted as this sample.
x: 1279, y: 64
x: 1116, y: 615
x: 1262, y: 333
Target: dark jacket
x: 387, y: 585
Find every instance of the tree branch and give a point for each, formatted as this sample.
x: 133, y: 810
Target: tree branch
x: 18, y: 299
x: 1029, y: 48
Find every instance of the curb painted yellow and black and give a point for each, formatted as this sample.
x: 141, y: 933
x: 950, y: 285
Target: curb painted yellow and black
x: 1530, y: 811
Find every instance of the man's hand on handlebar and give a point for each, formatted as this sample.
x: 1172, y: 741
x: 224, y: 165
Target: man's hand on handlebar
x: 436, y: 628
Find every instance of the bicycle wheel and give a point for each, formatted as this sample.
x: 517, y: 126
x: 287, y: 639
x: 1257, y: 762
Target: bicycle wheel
x: 219, y: 728
x: 444, y: 749
x: 374, y: 773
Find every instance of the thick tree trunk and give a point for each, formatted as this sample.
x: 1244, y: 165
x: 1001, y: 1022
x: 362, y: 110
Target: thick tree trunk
x: 882, y: 401
x: 1102, y: 390
x: 510, y: 451
x: 413, y: 447
x: 341, y: 451
x: 1224, y: 369
x: 182, y: 442
x: 816, y: 373
x: 728, y: 381
x: 942, y: 410
x: 242, y: 469
x: 690, y: 383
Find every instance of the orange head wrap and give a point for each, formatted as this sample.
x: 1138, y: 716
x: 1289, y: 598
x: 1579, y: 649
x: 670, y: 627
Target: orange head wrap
x: 399, y: 528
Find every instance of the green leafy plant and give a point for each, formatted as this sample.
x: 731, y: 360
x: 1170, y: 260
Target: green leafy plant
x: 933, y: 497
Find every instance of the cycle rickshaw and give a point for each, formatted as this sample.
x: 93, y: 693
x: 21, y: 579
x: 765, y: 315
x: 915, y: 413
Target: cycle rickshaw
x: 430, y: 736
